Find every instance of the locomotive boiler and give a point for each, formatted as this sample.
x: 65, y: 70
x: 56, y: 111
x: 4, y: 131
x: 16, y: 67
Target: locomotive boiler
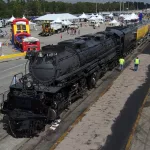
x: 58, y: 75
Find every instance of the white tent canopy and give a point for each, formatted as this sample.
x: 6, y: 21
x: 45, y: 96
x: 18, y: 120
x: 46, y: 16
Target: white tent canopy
x: 134, y: 16
x: 32, y: 23
x: 83, y: 16
x: 93, y: 18
x: 24, y: 17
x: 92, y: 15
x: 127, y: 18
x: 11, y: 19
x: 113, y: 21
x: 69, y: 22
x: 110, y: 15
x: 97, y: 15
x: 100, y: 17
x: 52, y: 17
x: 58, y: 20
x: 122, y: 15
x: 66, y: 22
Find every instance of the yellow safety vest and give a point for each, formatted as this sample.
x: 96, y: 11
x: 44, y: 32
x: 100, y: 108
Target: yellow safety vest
x: 121, y: 61
x: 137, y: 61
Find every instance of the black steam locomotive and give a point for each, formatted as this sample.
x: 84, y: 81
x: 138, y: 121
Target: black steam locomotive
x: 59, y: 74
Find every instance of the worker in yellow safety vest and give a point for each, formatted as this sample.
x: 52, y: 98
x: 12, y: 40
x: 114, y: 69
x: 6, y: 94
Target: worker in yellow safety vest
x: 121, y: 63
x: 136, y: 63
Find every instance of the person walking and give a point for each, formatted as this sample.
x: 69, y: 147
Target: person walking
x: 79, y: 32
x: 68, y: 30
x: 61, y: 36
x: 121, y: 63
x: 75, y: 31
x: 136, y: 63
x: 71, y: 33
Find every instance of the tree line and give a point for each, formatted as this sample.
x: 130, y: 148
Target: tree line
x: 18, y: 8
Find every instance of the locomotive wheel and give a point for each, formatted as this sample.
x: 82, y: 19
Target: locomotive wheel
x: 105, y: 69
x: 98, y: 75
x: 113, y: 66
x: 52, y: 115
x: 91, y: 81
x: 116, y: 63
x: 82, y: 87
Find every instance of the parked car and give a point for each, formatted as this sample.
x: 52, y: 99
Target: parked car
x: 74, y: 26
x: 3, y: 33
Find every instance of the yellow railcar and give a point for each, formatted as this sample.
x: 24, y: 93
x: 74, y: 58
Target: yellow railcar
x: 149, y: 27
x: 142, y: 32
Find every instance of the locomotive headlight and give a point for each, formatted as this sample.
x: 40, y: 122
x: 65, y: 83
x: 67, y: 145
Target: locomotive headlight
x: 40, y: 54
x: 29, y: 84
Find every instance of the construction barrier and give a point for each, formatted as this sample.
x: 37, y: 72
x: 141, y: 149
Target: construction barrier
x: 12, y: 56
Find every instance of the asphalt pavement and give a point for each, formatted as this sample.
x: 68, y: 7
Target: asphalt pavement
x: 8, y: 70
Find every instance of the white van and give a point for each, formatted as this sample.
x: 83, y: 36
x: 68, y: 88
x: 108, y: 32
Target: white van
x: 1, y: 23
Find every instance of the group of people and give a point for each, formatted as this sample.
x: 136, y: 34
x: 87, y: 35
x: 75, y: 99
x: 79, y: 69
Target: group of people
x: 136, y: 63
x: 73, y: 31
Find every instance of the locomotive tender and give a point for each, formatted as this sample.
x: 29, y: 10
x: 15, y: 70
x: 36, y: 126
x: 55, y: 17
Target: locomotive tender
x: 59, y: 74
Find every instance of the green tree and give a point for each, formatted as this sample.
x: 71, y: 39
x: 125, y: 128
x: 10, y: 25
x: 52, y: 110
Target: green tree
x: 40, y: 7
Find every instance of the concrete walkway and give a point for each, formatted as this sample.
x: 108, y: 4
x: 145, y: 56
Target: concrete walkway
x: 141, y: 137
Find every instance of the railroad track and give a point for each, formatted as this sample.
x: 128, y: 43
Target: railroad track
x: 102, y: 86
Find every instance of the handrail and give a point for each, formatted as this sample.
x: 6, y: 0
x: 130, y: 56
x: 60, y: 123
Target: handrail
x: 3, y: 98
x: 14, y: 80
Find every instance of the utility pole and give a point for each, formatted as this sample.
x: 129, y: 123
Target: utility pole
x: 120, y: 7
x: 44, y: 6
x: 96, y: 6
x: 128, y: 6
